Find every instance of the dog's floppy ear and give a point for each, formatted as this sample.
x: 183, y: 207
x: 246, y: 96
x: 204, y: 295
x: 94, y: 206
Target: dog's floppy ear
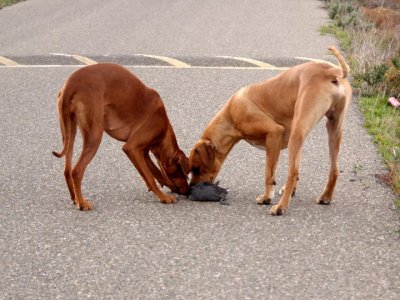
x: 183, y: 162
x: 206, y: 151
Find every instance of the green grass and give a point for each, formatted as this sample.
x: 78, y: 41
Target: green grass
x: 4, y: 3
x: 342, y: 35
x: 368, y: 52
x: 383, y: 122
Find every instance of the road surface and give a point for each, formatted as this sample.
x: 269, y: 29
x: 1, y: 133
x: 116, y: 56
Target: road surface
x: 196, y: 54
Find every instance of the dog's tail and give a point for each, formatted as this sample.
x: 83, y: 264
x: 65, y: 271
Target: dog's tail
x: 65, y: 122
x: 342, y: 62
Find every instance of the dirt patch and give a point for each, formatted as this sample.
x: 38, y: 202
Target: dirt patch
x: 390, y: 178
x: 385, y: 14
x: 392, y: 4
x: 384, y: 18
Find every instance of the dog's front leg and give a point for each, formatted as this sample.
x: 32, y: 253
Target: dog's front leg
x: 273, y: 148
x: 154, y: 170
x: 295, y: 143
x: 137, y: 157
x: 282, y: 189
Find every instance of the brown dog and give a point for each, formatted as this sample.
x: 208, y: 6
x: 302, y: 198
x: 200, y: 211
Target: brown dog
x: 276, y: 114
x: 107, y: 97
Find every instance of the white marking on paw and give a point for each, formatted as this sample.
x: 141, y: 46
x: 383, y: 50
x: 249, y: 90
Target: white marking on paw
x: 281, y: 191
x: 272, y: 193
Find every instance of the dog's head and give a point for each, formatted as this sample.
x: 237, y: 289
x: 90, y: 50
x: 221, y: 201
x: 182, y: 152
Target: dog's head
x: 203, y: 163
x: 175, y: 173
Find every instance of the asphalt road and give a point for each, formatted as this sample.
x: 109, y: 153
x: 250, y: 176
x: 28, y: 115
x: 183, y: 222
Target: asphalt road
x: 132, y: 247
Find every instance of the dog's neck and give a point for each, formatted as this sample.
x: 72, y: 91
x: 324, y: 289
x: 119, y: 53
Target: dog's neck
x: 224, y: 137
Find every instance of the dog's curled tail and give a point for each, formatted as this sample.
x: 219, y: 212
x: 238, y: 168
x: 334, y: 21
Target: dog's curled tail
x: 342, y: 62
x: 65, y: 122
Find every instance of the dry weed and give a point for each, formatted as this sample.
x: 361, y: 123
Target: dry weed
x: 393, y: 4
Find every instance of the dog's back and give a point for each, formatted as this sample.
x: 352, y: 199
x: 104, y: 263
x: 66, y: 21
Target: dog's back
x: 111, y: 83
x: 277, y: 96
x: 116, y: 95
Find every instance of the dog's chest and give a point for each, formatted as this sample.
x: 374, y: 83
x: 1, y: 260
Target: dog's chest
x: 259, y: 144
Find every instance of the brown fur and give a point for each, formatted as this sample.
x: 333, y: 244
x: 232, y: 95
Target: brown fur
x: 276, y: 114
x: 107, y: 97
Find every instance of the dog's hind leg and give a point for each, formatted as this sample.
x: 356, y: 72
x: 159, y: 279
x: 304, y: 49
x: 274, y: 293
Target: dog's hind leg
x: 90, y: 121
x: 334, y: 128
x: 68, y: 162
x: 310, y: 109
x: 68, y: 130
x: 91, y: 142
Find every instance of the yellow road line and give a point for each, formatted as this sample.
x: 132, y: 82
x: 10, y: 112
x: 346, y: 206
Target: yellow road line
x: 153, y: 67
x: 7, y: 62
x: 255, y: 62
x: 314, y: 59
x: 80, y: 58
x: 85, y: 60
x: 172, y: 61
x: 210, y: 67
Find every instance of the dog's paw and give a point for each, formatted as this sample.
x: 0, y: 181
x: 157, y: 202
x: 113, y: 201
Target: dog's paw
x: 262, y: 199
x: 276, y: 210
x: 83, y: 205
x: 324, y: 201
x: 168, y: 199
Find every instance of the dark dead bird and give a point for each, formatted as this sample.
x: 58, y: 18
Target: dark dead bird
x: 207, y: 191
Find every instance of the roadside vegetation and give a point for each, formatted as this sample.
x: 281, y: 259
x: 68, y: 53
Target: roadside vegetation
x: 4, y: 3
x: 369, y: 33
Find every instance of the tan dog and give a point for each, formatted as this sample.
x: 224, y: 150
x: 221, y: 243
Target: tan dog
x: 107, y: 97
x: 276, y: 114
